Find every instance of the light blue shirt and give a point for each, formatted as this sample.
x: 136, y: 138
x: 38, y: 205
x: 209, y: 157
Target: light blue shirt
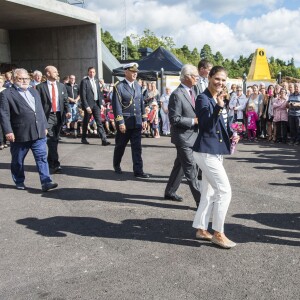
x: 28, y: 97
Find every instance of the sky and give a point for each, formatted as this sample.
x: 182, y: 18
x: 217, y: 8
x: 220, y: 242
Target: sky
x: 233, y: 27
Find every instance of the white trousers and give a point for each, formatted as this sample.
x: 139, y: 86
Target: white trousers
x: 215, y: 192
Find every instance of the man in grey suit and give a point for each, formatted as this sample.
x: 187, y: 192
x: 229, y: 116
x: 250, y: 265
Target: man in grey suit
x: 184, y: 129
x: 204, y: 66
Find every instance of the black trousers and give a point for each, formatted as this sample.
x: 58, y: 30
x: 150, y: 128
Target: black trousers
x: 96, y: 111
x: 294, y: 123
x: 122, y: 139
x: 184, y: 164
x: 281, y: 131
x: 54, y: 123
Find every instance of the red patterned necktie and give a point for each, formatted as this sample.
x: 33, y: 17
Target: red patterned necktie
x: 192, y: 97
x: 53, y: 98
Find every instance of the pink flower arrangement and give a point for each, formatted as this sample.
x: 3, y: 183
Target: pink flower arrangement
x: 238, y: 127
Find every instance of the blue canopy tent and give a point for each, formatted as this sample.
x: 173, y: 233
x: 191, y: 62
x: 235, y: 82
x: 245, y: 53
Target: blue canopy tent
x: 160, y: 61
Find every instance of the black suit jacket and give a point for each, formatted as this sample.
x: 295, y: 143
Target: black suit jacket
x: 17, y: 117
x: 42, y: 88
x: 87, y: 94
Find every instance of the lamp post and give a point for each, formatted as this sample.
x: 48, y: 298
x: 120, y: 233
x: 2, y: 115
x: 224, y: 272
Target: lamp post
x: 244, y: 83
x: 162, y: 80
x: 279, y: 78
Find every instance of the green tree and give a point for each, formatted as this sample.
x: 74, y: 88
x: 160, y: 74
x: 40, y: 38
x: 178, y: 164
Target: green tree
x: 148, y: 39
x: 195, y: 57
x: 113, y: 46
x: 132, y: 50
x: 218, y: 58
x: 206, y: 53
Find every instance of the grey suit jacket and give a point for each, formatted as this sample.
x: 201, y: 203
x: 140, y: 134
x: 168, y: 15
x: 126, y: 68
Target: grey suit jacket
x: 181, y: 115
x: 198, y: 88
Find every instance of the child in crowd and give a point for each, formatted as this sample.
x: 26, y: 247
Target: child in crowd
x: 92, y: 125
x: 252, y: 118
x: 154, y: 121
x: 110, y: 120
x: 148, y: 128
x: 103, y: 118
x: 80, y: 120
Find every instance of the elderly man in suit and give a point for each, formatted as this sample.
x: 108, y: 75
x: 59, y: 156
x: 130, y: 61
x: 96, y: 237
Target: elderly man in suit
x: 204, y: 66
x: 184, y: 128
x: 55, y: 103
x: 91, y: 101
x: 25, y: 126
x: 129, y: 111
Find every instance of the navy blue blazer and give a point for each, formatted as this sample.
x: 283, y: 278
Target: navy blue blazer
x: 128, y: 105
x: 213, y: 136
x: 18, y: 117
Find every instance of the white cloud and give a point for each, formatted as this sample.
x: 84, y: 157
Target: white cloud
x: 184, y: 21
x: 221, y: 8
x: 276, y: 31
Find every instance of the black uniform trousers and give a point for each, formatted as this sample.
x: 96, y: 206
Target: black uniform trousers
x: 122, y: 139
x: 184, y: 165
x: 54, y: 123
x: 96, y: 111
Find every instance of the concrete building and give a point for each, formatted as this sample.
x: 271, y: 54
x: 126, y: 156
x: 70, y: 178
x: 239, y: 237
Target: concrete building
x: 37, y: 33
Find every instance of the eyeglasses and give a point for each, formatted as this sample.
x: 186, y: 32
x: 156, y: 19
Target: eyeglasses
x: 23, y: 79
x: 194, y: 76
x: 239, y: 90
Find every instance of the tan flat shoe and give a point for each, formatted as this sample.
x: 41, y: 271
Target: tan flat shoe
x: 221, y: 243
x: 205, y: 235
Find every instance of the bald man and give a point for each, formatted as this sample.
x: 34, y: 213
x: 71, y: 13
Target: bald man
x: 55, y: 103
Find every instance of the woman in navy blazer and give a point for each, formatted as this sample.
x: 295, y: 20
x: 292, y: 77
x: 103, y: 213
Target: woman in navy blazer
x: 212, y: 143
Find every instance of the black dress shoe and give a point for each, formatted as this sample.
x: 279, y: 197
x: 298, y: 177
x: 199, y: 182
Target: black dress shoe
x: 20, y: 186
x: 57, y: 169
x: 142, y: 175
x: 118, y: 170
x: 49, y: 186
x: 105, y: 143
x: 84, y: 141
x: 174, y: 197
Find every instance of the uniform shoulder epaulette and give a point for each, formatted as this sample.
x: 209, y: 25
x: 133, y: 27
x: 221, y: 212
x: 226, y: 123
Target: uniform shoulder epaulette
x: 119, y: 118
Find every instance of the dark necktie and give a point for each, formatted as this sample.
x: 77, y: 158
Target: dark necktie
x: 192, y: 97
x: 53, y: 98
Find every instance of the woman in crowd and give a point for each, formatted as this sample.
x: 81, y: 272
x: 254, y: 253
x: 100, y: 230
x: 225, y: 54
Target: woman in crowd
x: 262, y: 120
x: 281, y: 116
x: 151, y: 94
x: 211, y: 144
x: 164, y: 113
x: 249, y: 92
x: 257, y: 100
x: 268, y: 113
x: 237, y: 106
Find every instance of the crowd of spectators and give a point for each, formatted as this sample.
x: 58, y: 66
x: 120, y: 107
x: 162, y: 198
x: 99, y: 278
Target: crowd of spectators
x: 270, y: 113
x: 274, y: 109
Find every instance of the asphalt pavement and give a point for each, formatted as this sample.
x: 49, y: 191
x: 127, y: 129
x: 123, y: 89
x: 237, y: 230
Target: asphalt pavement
x: 101, y: 235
